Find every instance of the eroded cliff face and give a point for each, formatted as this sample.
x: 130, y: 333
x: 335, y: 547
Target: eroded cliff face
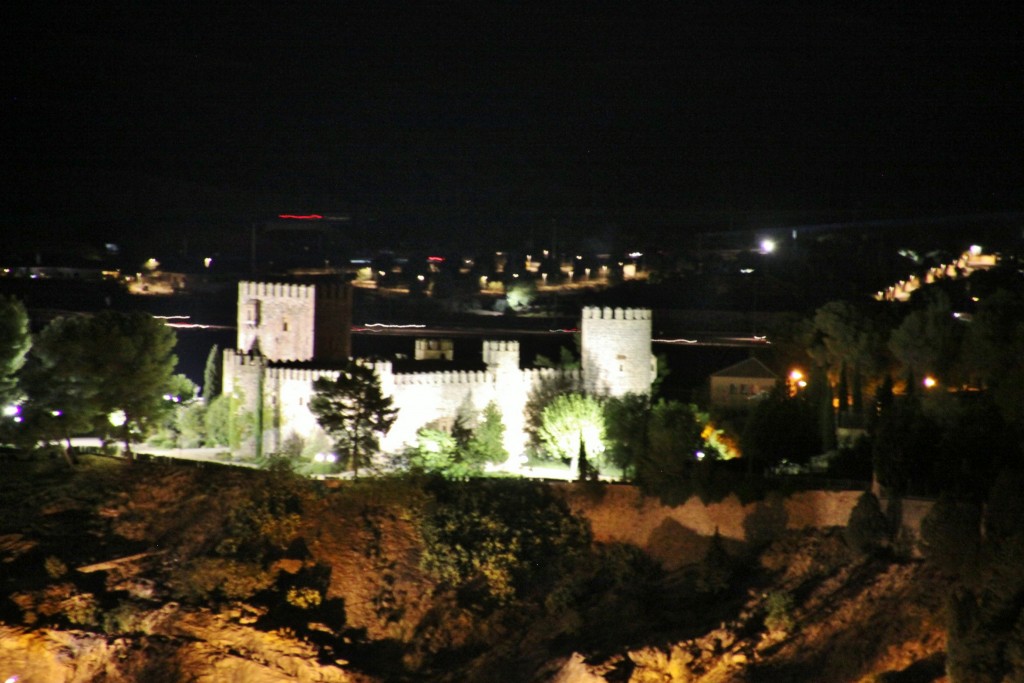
x: 816, y: 615
x: 160, y: 573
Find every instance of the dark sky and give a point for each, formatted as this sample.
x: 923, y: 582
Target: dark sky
x: 494, y: 118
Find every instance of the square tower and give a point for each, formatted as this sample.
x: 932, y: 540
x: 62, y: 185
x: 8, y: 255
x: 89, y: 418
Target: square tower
x: 296, y: 321
x: 615, y: 345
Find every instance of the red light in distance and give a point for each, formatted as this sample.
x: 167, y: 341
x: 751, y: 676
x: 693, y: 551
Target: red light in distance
x: 296, y: 217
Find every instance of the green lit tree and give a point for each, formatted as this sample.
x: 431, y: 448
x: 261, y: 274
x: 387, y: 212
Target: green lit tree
x: 487, y: 444
x: 212, y: 374
x: 572, y: 422
x: 14, y: 345
x: 354, y: 412
x: 461, y: 452
x: 547, y: 390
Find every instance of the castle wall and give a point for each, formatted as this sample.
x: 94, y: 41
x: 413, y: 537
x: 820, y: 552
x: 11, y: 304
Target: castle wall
x: 616, y: 348
x: 677, y: 536
x: 303, y: 322
x: 421, y: 399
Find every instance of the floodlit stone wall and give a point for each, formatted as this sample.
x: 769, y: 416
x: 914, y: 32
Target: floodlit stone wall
x: 678, y: 535
x: 281, y: 323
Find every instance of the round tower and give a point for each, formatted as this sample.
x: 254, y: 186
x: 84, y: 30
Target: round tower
x: 615, y: 344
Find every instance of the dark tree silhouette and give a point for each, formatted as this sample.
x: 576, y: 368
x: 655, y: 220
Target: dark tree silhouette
x: 354, y: 412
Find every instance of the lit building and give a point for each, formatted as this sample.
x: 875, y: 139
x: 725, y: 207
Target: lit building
x: 291, y: 334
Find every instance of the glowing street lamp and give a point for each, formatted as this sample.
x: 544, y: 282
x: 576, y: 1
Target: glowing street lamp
x: 929, y: 382
x: 767, y: 246
x: 796, y: 381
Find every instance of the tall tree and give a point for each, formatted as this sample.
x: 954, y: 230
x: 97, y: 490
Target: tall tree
x: 928, y: 340
x: 354, y: 412
x: 626, y: 420
x: 854, y: 345
x: 673, y: 435
x: 487, y: 444
x: 212, y: 374
x: 14, y: 344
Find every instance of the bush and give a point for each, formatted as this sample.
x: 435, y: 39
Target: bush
x: 779, y: 611
x: 303, y: 597
x: 867, y: 530
x: 951, y: 536
x: 505, y: 536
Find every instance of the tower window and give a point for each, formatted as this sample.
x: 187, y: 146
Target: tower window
x: 252, y: 312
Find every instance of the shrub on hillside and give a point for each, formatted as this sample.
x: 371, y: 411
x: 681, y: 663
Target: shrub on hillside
x: 867, y: 530
x: 503, y: 536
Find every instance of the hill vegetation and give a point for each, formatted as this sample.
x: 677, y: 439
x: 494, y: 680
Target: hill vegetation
x: 166, y: 572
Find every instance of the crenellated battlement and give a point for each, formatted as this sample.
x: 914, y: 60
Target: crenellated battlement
x: 240, y: 359
x: 608, y: 313
x: 497, y: 345
x: 277, y: 290
x: 464, y: 377
x: 250, y: 289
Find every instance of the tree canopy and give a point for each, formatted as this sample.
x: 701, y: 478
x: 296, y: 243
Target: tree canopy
x: 14, y: 345
x: 354, y: 412
x: 571, y: 424
x: 108, y: 372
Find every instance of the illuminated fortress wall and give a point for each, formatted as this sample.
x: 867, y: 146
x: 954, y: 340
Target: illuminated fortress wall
x: 616, y: 349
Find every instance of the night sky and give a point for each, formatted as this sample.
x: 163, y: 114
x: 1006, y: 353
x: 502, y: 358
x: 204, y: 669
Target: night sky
x: 495, y: 120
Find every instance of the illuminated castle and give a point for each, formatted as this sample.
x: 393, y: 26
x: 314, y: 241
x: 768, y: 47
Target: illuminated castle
x: 292, y: 334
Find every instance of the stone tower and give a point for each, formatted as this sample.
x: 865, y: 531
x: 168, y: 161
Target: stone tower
x: 616, y: 348
x: 291, y: 321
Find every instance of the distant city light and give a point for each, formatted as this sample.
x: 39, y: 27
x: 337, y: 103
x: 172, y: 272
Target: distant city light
x: 300, y: 217
x: 11, y: 410
x: 975, y: 249
x: 207, y: 261
x: 436, y: 259
x: 117, y: 418
x: 635, y: 254
x: 767, y: 246
x: 929, y: 382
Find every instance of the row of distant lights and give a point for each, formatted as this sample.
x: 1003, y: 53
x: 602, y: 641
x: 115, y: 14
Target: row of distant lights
x: 797, y: 381
x: 973, y: 250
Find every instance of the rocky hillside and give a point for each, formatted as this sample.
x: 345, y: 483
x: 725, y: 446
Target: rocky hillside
x: 153, y: 572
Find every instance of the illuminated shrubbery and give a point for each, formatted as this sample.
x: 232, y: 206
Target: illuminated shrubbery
x: 504, y: 536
